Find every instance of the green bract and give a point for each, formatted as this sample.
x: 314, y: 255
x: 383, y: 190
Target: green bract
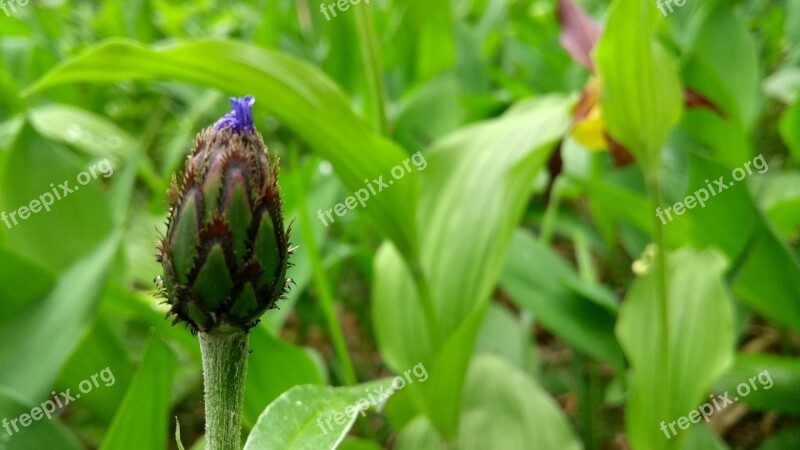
x: 226, y: 251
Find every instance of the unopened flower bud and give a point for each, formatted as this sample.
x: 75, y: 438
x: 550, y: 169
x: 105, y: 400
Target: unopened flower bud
x: 225, y: 252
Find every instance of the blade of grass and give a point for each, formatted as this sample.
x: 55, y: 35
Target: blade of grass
x: 326, y: 300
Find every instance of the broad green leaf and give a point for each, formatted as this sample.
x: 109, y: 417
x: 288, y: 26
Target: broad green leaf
x: 264, y: 382
x: 41, y: 433
x: 708, y: 68
x: 432, y: 25
x: 640, y: 91
x: 80, y: 128
x: 767, y: 276
x: 768, y: 280
x: 725, y: 140
x: 475, y: 185
x: 503, y: 335
x: 297, y: 94
x: 779, y: 196
x: 146, y: 311
x: 100, y: 349
x: 700, y: 436
x: 76, y: 218
x: 663, y: 387
x: 538, y: 280
x: 313, y: 417
x: 23, y: 282
x: 397, y: 313
x: 733, y: 204
x: 143, y: 415
x: 350, y: 443
x: 428, y: 113
x: 418, y: 434
x: 51, y: 327
x: 504, y: 408
x: 764, y: 383
x: 443, y: 394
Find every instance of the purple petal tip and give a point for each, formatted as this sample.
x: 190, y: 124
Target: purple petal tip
x: 240, y: 119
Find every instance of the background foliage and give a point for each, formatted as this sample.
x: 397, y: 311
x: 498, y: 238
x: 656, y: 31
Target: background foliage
x: 521, y: 266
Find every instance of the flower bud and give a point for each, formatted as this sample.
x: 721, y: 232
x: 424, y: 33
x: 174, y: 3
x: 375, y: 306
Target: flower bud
x: 225, y: 252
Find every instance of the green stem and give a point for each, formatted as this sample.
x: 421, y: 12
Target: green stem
x: 654, y: 193
x: 551, y: 213
x: 372, y: 67
x: 323, y: 286
x: 224, y: 372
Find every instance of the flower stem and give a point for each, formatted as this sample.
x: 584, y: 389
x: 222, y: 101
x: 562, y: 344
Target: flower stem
x: 654, y: 192
x: 224, y: 371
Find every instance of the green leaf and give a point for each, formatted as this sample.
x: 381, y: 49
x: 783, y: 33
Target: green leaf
x: 708, y: 69
x: 290, y: 89
x: 538, y: 280
x: 82, y: 129
x: 502, y: 334
x: 506, y: 409
x: 699, y: 312
x: 264, y: 382
x: 42, y: 433
x: 397, y: 313
x: 428, y: 113
x: 768, y: 281
x: 51, y: 327
x: 443, y: 394
x: 775, y: 383
x: 432, y: 25
x: 311, y: 417
x: 779, y: 196
x: 100, y: 349
x: 476, y: 184
x: 733, y: 203
x: 701, y: 436
x: 641, y: 95
x: 143, y: 416
x: 23, y: 282
x: 81, y: 214
x: 351, y: 443
x: 418, y: 434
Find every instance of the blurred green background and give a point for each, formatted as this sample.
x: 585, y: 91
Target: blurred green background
x: 522, y: 265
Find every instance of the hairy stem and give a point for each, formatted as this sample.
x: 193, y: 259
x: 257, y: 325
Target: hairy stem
x: 224, y: 371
